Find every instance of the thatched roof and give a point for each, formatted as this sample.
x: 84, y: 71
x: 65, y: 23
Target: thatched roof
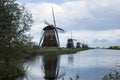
x: 70, y: 39
x: 49, y: 27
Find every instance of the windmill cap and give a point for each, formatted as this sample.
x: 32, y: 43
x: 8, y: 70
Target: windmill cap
x: 70, y: 39
x: 49, y: 27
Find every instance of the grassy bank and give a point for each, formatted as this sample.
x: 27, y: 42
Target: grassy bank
x: 114, y: 47
x: 57, y: 51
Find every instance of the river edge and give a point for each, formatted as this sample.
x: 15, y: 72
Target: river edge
x: 57, y: 51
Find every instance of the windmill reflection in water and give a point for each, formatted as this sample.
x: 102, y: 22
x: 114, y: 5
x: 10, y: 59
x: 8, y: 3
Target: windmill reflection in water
x: 51, y: 66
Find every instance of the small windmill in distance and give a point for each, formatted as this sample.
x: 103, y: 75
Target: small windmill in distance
x: 50, y: 36
x: 78, y: 45
x: 70, y: 43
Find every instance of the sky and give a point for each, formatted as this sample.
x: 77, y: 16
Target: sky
x: 93, y: 22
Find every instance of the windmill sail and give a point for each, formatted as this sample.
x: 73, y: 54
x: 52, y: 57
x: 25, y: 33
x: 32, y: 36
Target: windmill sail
x: 53, y: 17
x: 55, y: 27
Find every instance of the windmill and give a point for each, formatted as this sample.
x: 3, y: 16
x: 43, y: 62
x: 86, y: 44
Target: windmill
x: 50, y: 36
x: 78, y: 45
x: 70, y: 43
x: 84, y: 45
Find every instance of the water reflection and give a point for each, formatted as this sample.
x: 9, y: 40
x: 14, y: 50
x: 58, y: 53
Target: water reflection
x: 51, y: 66
x: 70, y: 59
x: 84, y: 65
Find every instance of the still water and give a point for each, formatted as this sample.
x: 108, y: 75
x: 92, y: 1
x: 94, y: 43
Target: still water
x: 85, y: 65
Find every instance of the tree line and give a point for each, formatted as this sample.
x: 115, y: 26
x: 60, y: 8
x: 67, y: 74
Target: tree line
x: 15, y: 22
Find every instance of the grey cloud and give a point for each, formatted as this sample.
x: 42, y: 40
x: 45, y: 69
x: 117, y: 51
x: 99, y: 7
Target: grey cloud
x: 100, y: 21
x: 82, y: 16
x: 102, y: 18
x: 100, y: 40
x: 93, y: 24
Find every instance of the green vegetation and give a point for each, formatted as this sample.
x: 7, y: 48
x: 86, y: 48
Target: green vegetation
x: 114, y: 47
x: 15, y: 21
x: 11, y: 73
x: 56, y: 51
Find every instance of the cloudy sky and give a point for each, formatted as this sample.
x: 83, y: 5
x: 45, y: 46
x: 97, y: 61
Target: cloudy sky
x: 94, y: 22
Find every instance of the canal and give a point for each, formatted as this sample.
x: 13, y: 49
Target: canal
x: 91, y: 64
